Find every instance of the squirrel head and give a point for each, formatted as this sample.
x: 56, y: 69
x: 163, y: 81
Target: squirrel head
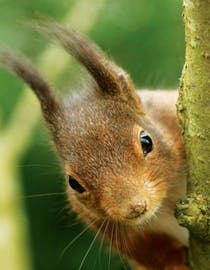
x: 114, y: 156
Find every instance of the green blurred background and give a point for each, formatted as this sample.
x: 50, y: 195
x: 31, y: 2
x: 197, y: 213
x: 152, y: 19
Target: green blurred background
x: 144, y: 37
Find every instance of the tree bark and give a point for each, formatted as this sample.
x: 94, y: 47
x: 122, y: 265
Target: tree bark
x: 194, y: 115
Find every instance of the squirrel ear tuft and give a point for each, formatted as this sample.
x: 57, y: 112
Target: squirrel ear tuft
x: 24, y: 69
x: 111, y: 79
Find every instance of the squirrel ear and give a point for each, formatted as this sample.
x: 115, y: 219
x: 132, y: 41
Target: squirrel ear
x: 24, y: 69
x: 111, y: 79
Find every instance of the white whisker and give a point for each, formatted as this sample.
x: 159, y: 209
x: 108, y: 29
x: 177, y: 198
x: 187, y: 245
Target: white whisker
x: 121, y: 258
x: 74, y: 240
x: 110, y: 246
x: 102, y: 239
x: 91, y: 245
x: 31, y: 196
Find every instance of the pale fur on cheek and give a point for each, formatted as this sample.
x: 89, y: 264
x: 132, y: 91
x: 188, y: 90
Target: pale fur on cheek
x: 153, y: 199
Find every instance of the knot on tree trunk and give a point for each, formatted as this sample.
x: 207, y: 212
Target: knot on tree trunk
x: 194, y: 214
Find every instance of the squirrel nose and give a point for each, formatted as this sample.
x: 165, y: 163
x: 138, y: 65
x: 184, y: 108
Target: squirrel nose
x: 137, y: 210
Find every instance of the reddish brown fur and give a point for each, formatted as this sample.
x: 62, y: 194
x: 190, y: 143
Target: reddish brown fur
x: 167, y: 253
x: 96, y: 133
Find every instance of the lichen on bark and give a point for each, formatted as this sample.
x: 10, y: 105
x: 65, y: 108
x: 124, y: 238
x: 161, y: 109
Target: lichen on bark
x: 194, y: 114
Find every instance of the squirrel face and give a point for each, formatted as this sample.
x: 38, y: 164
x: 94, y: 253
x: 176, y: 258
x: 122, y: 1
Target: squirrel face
x: 113, y: 155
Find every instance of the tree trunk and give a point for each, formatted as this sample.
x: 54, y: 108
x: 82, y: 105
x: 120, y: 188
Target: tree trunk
x: 194, y: 115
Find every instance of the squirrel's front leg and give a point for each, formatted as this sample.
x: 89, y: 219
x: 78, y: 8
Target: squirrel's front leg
x: 180, y: 267
x: 148, y: 251
x: 159, y: 252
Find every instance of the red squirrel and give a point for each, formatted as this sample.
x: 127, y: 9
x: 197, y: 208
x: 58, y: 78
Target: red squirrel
x: 122, y: 153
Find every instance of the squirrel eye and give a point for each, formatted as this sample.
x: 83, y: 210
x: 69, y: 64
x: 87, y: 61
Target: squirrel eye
x: 146, y: 143
x: 75, y: 185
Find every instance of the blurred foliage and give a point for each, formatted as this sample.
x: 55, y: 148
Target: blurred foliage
x: 146, y: 39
